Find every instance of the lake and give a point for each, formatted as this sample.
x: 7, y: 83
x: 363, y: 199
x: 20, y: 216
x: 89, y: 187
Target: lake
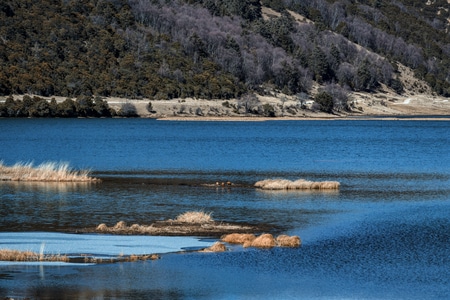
x: 384, y: 235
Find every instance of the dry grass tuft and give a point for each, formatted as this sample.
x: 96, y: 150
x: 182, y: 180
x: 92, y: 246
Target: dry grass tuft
x: 48, y: 171
x: 196, y: 217
x: 288, y: 241
x: 16, y: 255
x: 216, y: 247
x: 265, y: 240
x: 120, y: 225
x: 102, y: 227
x: 238, y: 238
x: 300, y: 184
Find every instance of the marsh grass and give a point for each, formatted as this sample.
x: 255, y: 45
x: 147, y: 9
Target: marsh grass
x: 196, y: 217
x: 216, y: 247
x: 265, y: 240
x: 29, y: 256
x: 48, y: 171
x: 186, y: 224
x: 238, y: 238
x: 300, y: 184
x: 16, y: 255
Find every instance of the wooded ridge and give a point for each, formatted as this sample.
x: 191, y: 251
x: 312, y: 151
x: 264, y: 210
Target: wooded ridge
x: 213, y: 49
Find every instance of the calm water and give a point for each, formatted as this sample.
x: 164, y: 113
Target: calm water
x: 385, y: 234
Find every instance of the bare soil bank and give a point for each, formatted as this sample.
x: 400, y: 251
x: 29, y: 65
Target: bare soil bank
x: 288, y: 108
x: 364, y: 105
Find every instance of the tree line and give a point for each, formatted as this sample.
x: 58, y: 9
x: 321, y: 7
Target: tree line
x: 81, y: 107
x: 211, y: 49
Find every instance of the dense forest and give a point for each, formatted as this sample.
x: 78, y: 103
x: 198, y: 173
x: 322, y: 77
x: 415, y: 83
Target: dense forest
x: 211, y: 49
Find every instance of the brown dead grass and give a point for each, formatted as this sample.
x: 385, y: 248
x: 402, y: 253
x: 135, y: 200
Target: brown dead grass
x: 288, y: 241
x: 216, y: 247
x: 265, y: 240
x: 187, y: 224
x: 17, y: 255
x: 196, y: 217
x: 300, y: 184
x: 45, y: 172
x: 29, y: 256
x: 238, y: 238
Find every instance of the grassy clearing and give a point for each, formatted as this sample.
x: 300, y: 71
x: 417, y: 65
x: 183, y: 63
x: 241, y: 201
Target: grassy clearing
x: 300, y: 184
x: 46, y: 172
x: 265, y: 240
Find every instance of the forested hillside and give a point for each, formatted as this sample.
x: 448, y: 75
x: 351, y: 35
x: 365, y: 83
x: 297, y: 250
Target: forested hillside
x: 215, y: 49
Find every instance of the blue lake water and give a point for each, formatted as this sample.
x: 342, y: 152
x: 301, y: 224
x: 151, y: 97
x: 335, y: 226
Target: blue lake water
x: 385, y: 234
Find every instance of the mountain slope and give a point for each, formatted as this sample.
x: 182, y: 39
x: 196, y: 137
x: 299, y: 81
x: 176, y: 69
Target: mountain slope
x: 215, y: 49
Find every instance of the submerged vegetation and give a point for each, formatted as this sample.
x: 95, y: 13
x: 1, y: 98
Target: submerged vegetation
x: 300, y: 184
x: 45, y: 172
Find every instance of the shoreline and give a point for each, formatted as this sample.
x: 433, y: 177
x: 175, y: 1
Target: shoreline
x: 339, y: 118
x: 364, y: 106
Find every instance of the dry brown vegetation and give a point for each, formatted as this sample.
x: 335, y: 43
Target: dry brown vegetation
x: 197, y: 217
x: 265, y: 240
x: 238, y: 238
x: 17, y: 255
x: 300, y: 184
x: 189, y: 223
x: 216, y: 247
x: 48, y: 171
x: 29, y: 256
x: 288, y: 241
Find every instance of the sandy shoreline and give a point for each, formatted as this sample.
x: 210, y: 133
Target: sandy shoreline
x: 365, y: 106
x: 378, y: 106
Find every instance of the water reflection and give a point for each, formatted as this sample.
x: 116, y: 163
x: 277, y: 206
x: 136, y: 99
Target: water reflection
x: 46, y: 187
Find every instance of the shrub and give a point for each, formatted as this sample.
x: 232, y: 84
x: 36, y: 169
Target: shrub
x: 325, y: 101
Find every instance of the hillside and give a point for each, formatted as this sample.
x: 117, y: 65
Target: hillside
x: 321, y: 55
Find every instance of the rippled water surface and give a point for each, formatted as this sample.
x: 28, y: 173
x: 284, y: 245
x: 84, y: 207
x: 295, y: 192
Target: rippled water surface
x: 384, y: 234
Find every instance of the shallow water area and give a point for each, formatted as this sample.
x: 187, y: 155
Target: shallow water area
x: 382, y: 235
x: 96, y: 245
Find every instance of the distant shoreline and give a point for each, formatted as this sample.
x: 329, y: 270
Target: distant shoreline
x: 339, y: 118
x: 284, y: 108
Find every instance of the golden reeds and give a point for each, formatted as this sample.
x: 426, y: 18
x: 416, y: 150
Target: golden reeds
x: 238, y: 238
x: 216, y: 247
x: 48, y: 171
x: 197, y: 217
x: 265, y: 240
x: 300, y: 184
x: 288, y: 241
x: 17, y: 255
x: 29, y: 256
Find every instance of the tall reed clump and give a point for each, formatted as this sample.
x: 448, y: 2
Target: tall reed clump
x: 195, y: 217
x: 300, y: 184
x: 48, y: 171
